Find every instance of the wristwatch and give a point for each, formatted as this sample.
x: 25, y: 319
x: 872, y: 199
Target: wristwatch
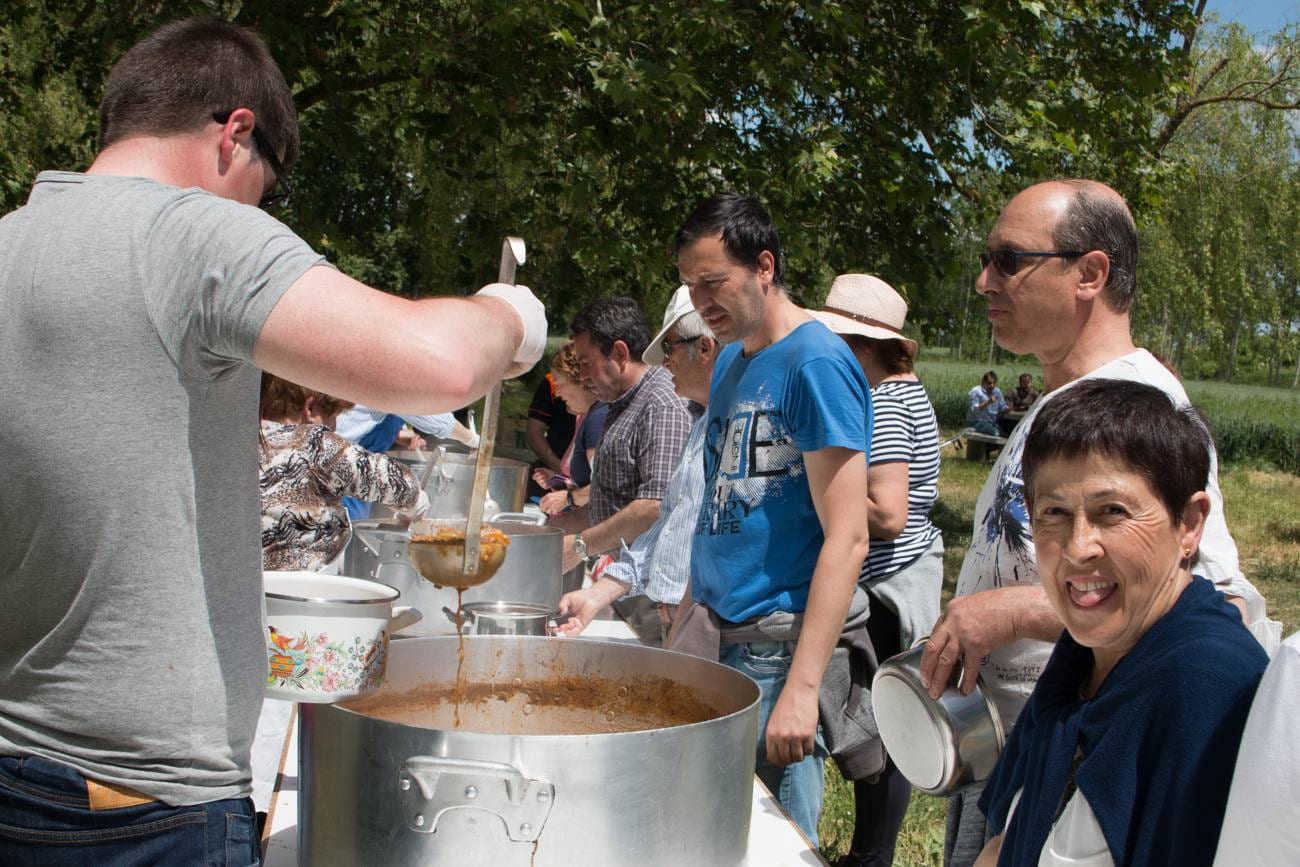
x: 580, y: 547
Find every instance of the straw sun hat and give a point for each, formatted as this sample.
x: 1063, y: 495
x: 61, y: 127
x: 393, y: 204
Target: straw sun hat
x: 866, y: 305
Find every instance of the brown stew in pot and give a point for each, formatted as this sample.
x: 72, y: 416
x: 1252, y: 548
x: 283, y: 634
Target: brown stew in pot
x: 556, y: 705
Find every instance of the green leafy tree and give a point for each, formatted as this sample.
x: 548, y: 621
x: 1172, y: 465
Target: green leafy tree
x: 883, y: 135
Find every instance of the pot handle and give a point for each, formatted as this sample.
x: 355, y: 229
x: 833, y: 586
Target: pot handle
x: 404, y: 616
x: 519, y: 518
x: 359, y: 533
x: 464, y: 620
x: 958, y: 670
x: 522, y: 804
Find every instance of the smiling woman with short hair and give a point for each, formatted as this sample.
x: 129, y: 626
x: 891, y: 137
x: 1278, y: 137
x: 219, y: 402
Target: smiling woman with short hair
x: 1125, y: 751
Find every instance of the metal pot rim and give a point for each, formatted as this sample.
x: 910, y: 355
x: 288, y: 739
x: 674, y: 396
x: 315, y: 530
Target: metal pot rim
x: 379, y: 600
x: 515, y: 611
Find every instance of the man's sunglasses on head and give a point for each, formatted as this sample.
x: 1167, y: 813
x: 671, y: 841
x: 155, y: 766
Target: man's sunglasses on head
x: 1008, y: 261
x: 279, y: 194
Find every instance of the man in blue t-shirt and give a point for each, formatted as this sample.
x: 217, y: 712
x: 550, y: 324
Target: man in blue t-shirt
x: 783, y: 526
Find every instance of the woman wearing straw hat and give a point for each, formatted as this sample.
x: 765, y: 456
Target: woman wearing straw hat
x: 904, y: 570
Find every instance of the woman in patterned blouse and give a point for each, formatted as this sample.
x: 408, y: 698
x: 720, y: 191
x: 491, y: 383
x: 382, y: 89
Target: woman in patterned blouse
x: 306, y: 470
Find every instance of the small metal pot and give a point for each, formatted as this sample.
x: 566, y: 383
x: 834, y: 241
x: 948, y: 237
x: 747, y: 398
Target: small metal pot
x: 940, y: 746
x: 530, y: 573
x: 504, y: 618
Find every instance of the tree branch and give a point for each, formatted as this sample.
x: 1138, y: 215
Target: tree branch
x: 1209, y: 76
x: 1189, y: 35
x: 322, y: 90
x: 1178, y: 118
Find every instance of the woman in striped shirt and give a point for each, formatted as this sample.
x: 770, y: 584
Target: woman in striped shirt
x: 903, y: 572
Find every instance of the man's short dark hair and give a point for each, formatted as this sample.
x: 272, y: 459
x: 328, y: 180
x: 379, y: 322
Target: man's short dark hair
x: 989, y: 374
x: 175, y: 79
x: 1133, y: 423
x: 606, y: 320
x: 1096, y: 221
x: 745, y: 226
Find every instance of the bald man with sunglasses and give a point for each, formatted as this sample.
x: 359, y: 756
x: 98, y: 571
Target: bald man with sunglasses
x: 1059, y: 277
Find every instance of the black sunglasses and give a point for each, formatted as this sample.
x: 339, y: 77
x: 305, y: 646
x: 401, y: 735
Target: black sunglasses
x: 280, y: 192
x: 667, y: 345
x: 1008, y: 261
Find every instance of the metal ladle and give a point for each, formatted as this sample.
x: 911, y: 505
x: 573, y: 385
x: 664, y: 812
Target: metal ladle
x: 476, y: 566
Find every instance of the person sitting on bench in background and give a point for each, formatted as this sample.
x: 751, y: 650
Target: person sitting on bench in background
x: 984, y: 403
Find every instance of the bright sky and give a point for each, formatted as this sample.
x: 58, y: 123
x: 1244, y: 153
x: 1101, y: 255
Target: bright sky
x: 1257, y: 16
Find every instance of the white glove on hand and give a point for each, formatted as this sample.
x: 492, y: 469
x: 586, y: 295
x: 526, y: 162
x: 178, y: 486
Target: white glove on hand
x: 473, y: 441
x: 416, y: 512
x: 533, y: 316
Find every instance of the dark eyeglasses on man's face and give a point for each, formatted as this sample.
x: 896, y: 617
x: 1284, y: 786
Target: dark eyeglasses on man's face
x: 668, y: 345
x: 280, y: 192
x: 1008, y: 261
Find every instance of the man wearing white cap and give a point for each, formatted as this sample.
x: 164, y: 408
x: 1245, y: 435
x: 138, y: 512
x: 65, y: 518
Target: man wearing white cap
x: 657, y: 564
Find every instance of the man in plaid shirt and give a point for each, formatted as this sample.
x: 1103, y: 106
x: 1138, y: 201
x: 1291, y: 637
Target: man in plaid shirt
x: 645, y: 432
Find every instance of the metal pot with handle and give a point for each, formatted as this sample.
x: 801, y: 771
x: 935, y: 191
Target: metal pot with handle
x: 529, y: 574
x: 327, y: 635
x: 567, y: 753
x: 450, y: 482
x: 504, y: 618
x: 941, y: 745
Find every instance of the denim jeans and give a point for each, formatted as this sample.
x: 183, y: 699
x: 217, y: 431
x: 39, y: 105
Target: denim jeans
x: 799, y: 786
x: 46, y: 820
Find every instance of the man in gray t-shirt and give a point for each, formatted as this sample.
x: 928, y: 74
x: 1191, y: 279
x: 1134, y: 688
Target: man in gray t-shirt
x: 137, y: 301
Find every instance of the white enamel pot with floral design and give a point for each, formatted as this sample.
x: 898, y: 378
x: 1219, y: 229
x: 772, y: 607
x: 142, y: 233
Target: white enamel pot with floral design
x: 327, y: 635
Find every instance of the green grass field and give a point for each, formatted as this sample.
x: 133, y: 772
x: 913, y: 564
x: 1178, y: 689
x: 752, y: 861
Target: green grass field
x: 1252, y: 423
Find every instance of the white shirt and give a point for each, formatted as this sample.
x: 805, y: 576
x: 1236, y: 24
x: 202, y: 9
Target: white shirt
x: 1261, y: 827
x: 1001, y: 553
x: 1076, y: 839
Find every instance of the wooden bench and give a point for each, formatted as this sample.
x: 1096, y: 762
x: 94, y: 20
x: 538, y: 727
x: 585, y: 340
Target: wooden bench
x: 979, y: 446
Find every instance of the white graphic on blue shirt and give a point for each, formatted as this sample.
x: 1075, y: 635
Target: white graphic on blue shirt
x: 746, y: 458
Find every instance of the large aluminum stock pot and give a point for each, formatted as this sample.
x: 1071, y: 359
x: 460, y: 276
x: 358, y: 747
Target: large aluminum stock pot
x: 530, y: 573
x: 537, y: 774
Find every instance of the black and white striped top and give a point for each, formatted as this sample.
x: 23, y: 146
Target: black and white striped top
x: 905, y: 429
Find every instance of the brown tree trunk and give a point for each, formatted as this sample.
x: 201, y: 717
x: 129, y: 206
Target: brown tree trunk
x: 1227, y: 373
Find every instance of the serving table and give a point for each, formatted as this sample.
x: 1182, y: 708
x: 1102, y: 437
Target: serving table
x: 774, y: 840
